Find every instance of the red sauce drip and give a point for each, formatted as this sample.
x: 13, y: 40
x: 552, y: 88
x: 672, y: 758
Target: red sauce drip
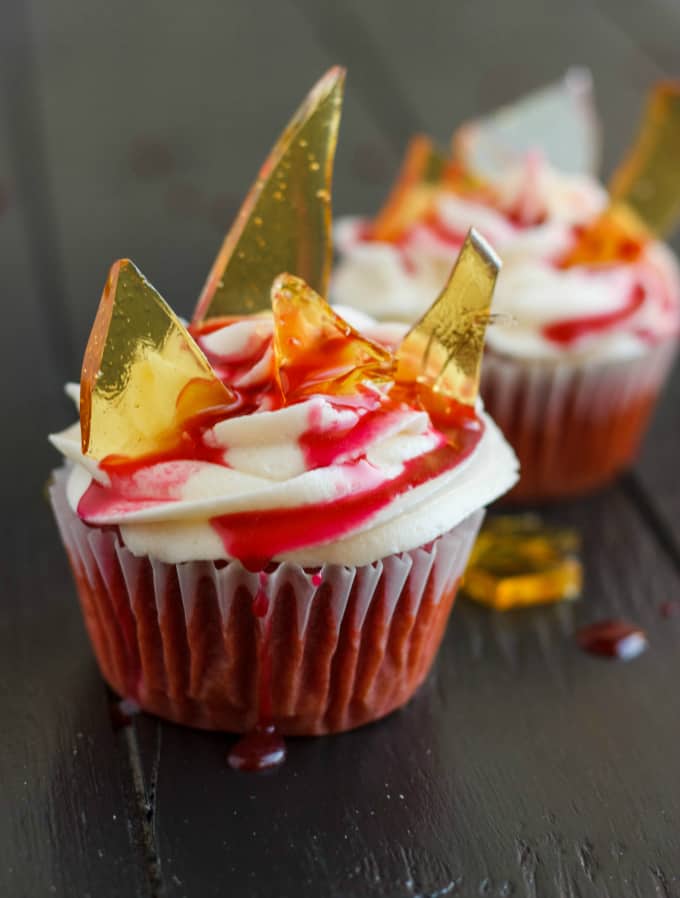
x: 261, y: 600
x: 571, y: 329
x: 317, y: 579
x: 261, y: 749
x: 612, y: 639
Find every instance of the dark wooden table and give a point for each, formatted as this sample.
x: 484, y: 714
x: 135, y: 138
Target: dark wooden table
x: 523, y: 767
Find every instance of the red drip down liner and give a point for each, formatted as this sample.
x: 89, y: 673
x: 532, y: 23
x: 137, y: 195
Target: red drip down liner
x: 573, y: 425
x: 338, y: 646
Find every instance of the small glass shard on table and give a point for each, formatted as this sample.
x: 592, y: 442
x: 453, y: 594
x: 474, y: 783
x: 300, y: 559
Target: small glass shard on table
x: 143, y: 375
x: 285, y: 221
x: 317, y: 351
x: 518, y: 561
x: 444, y: 349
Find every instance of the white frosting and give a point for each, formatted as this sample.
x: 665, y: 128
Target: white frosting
x: 400, y: 283
x: 165, y: 509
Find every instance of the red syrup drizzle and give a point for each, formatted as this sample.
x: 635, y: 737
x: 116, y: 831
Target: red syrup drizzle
x: 280, y: 530
x: 262, y: 748
x: 571, y: 329
x: 123, y: 489
x: 612, y: 639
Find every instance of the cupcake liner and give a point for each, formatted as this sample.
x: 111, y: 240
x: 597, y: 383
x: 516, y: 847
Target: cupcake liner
x: 335, y: 647
x: 574, y: 427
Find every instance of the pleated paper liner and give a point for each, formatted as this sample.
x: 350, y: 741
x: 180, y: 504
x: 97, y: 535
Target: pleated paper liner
x: 573, y: 426
x: 337, y: 647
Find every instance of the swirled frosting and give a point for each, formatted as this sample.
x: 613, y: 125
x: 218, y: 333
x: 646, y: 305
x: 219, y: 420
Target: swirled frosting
x: 328, y: 479
x: 550, y: 312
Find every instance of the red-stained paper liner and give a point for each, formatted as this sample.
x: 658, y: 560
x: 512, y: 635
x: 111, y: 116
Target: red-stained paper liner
x: 337, y: 647
x: 573, y: 426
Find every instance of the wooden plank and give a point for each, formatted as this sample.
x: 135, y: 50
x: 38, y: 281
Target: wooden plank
x: 156, y: 124
x: 524, y: 767
x: 63, y: 826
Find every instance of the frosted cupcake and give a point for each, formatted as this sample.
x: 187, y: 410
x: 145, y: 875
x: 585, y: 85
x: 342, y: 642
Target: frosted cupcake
x: 588, y: 300
x: 267, y: 514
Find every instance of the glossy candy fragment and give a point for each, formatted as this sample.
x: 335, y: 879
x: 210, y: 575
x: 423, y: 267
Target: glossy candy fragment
x: 143, y: 376
x: 559, y: 121
x: 613, y: 237
x: 644, y: 190
x: 517, y: 561
x: 444, y: 349
x: 285, y: 221
x: 648, y: 180
x: 316, y: 351
x: 414, y: 191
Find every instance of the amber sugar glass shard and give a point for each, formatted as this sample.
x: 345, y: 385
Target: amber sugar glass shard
x: 444, y: 349
x: 285, y: 221
x: 413, y: 193
x: 645, y: 189
x: 518, y: 561
x: 648, y: 180
x: 143, y: 376
x: 316, y: 351
x: 615, y: 236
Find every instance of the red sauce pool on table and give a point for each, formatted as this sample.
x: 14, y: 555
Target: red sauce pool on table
x: 261, y: 749
x: 612, y: 639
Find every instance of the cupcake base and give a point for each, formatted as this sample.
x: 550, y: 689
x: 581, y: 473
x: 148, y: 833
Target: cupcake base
x: 213, y: 645
x: 573, y: 427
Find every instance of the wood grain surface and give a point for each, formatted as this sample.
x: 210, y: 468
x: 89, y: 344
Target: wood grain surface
x: 523, y: 767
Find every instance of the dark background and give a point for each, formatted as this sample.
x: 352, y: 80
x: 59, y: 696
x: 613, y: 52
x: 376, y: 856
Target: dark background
x: 524, y: 767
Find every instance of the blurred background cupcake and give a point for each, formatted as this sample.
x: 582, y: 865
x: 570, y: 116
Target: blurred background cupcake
x: 588, y: 299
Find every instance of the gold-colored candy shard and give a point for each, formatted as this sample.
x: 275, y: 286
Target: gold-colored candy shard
x: 444, y: 349
x: 142, y: 375
x: 648, y: 180
x: 614, y: 237
x: 317, y: 351
x: 414, y: 190
x: 644, y: 190
x: 517, y: 561
x: 285, y: 221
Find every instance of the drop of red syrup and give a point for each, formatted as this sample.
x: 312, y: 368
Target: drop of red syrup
x: 261, y: 749
x: 317, y: 579
x: 613, y: 639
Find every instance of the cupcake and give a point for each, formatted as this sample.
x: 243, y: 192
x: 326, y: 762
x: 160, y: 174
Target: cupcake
x: 267, y: 513
x: 587, y: 304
